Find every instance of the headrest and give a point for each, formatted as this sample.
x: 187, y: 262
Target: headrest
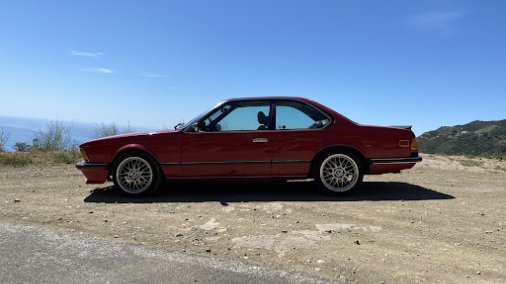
x: 262, y: 118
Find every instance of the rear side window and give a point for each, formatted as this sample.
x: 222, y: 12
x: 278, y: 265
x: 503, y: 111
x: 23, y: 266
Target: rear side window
x: 295, y: 115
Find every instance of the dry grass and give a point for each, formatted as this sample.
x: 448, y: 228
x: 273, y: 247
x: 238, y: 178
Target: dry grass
x: 35, y: 157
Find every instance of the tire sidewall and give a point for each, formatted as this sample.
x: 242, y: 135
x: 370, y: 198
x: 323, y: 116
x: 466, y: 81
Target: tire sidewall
x: 318, y: 163
x: 155, y: 183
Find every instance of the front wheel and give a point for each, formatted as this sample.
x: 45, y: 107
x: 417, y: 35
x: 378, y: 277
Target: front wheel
x: 338, y: 172
x: 136, y: 174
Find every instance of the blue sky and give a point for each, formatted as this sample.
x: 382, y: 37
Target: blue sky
x: 153, y: 63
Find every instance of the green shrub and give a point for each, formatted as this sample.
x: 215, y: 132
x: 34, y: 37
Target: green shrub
x: 494, y: 155
x: 67, y: 156
x: 14, y: 159
x: 21, y: 147
x: 104, y: 130
x: 56, y: 137
x: 4, y: 136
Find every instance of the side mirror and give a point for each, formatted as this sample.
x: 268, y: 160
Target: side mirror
x: 194, y: 127
x: 201, y: 125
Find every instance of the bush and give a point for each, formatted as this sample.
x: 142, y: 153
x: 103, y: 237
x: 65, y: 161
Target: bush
x: 494, y: 155
x: 57, y: 137
x: 104, y: 130
x: 67, y: 156
x: 14, y: 159
x: 4, y: 136
x: 22, y: 147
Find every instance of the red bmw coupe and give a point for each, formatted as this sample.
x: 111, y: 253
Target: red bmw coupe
x: 271, y: 137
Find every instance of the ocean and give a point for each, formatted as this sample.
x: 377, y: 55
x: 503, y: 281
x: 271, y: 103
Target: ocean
x: 25, y: 130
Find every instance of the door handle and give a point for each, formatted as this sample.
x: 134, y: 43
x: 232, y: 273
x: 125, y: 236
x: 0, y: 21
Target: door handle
x: 260, y: 140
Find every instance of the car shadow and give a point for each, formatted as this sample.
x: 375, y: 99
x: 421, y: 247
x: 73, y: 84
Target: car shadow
x: 273, y: 191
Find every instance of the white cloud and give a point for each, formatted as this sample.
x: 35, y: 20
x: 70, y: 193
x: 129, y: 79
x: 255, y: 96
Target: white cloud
x: 151, y: 75
x: 98, y: 70
x: 436, y: 20
x: 86, y: 54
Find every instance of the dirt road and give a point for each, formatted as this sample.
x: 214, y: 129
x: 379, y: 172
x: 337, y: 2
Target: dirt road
x: 35, y: 255
x: 443, y: 221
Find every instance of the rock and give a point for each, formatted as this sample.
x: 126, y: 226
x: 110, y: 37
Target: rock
x: 208, y: 250
x: 357, y: 242
x: 17, y: 200
x: 320, y: 261
x: 91, y: 212
x: 478, y: 272
x: 284, y: 231
x: 328, y: 231
x: 178, y: 235
x: 116, y: 236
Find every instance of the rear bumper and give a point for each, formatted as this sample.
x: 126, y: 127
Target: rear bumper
x: 392, y: 165
x: 395, y: 161
x: 95, y: 173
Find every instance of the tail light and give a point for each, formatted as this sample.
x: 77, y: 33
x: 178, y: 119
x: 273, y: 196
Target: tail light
x: 414, y: 144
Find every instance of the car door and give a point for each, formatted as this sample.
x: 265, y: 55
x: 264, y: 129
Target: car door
x: 299, y: 134
x: 233, y: 141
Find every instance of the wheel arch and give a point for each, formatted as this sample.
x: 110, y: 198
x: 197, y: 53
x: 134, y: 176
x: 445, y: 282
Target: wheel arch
x: 131, y: 148
x: 338, y: 148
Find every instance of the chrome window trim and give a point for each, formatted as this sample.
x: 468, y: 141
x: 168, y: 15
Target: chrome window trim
x: 271, y: 102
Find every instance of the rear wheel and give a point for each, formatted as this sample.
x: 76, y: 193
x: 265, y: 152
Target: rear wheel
x: 338, y: 173
x: 136, y: 174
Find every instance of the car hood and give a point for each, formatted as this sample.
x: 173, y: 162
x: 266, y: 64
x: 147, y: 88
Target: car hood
x: 127, y: 137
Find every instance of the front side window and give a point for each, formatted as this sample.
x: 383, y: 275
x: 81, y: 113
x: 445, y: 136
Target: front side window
x: 296, y: 115
x: 238, y: 117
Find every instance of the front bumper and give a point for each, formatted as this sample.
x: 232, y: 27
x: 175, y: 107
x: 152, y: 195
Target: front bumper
x: 95, y: 173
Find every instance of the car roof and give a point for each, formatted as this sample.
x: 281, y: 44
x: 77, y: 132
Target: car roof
x: 266, y: 99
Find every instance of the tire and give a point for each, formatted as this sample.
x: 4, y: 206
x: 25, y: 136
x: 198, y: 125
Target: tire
x: 338, y: 172
x: 136, y: 174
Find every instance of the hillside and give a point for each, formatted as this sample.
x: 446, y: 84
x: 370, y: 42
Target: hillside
x: 477, y: 138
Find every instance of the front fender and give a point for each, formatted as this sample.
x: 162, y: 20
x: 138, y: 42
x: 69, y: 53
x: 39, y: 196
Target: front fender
x: 130, y: 147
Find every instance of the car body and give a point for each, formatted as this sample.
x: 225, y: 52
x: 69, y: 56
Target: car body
x: 265, y: 137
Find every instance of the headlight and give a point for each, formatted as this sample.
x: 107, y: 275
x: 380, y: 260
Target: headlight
x: 83, y: 154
